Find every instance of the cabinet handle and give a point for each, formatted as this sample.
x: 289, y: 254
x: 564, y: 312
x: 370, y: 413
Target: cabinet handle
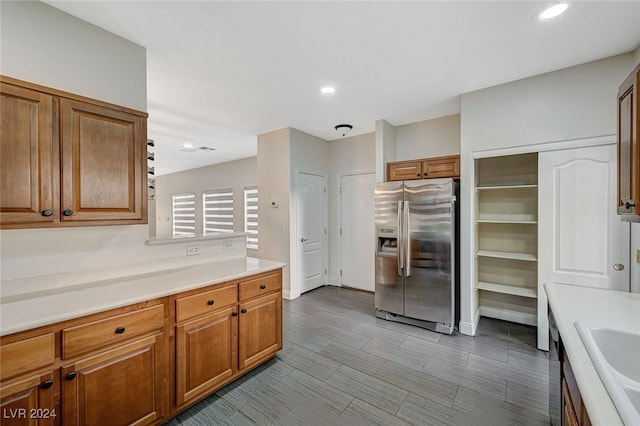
x: 426, y: 174
x: 67, y: 212
x: 263, y: 286
x: 243, y: 310
x: 120, y: 330
x: 71, y: 376
x: 47, y: 213
x: 210, y: 302
x: 46, y: 384
x: 418, y: 174
x: 234, y: 314
x: 629, y: 204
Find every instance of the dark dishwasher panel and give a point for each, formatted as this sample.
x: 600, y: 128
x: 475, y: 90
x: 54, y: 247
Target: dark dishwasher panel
x: 555, y: 372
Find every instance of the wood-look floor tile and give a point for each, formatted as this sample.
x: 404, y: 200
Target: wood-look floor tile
x: 475, y: 345
x: 354, y: 358
x: 433, y: 350
x: 523, y: 360
x: 310, y: 362
x: 418, y: 382
x: 479, y: 409
x: 536, y: 399
x: 412, y: 330
x: 302, y: 337
x: 340, y: 335
x: 417, y: 410
x: 508, y: 372
x: 364, y: 387
x: 381, y: 334
x: 399, y: 355
x: 359, y: 413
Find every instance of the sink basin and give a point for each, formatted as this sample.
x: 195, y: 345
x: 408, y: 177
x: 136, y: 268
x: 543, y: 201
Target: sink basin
x: 614, y: 354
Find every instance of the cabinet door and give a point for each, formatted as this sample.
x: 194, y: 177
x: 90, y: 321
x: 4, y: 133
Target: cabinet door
x: 405, y: 170
x: 28, y: 180
x: 123, y: 386
x: 260, y: 329
x: 441, y: 167
x: 29, y: 402
x: 206, y: 353
x: 627, y: 149
x: 103, y: 164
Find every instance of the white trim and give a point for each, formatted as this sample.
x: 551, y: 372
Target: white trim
x: 546, y: 146
x: 469, y: 328
x: 340, y: 175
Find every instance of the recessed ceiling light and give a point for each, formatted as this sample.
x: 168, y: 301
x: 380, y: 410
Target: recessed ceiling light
x: 553, y: 11
x: 327, y: 90
x: 187, y: 145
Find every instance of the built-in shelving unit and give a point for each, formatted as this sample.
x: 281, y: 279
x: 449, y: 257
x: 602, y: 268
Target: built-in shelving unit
x: 506, y: 237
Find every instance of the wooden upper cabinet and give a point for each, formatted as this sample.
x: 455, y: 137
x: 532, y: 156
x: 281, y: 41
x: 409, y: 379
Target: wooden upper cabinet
x: 441, y: 167
x: 102, y: 173
x: 28, y: 152
x: 426, y: 168
x: 628, y: 150
x: 69, y: 160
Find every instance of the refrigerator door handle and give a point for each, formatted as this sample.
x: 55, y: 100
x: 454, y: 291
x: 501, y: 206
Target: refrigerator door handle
x: 399, y: 240
x: 407, y: 239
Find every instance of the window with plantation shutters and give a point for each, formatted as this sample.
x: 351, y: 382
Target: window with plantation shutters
x: 217, y: 211
x: 184, y: 215
x: 251, y: 216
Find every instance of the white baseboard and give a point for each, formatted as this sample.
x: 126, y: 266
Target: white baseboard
x: 469, y: 328
x: 289, y: 295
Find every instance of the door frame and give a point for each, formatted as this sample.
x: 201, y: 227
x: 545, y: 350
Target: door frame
x: 340, y: 175
x: 294, y: 236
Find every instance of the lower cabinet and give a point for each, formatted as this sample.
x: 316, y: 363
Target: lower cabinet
x: 206, y: 353
x: 144, y: 363
x: 30, y: 402
x: 260, y: 329
x: 123, y: 385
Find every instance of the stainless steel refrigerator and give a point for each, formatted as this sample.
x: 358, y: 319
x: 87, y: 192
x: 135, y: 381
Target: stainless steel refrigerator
x: 416, y: 253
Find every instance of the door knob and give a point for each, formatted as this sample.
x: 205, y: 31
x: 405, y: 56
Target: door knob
x: 618, y: 267
x: 302, y: 240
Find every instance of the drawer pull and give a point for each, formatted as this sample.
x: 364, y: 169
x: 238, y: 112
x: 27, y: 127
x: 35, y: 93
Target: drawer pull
x: 47, y: 213
x: 243, y: 310
x: 263, y: 286
x: 234, y: 314
x: 46, y: 384
x: 71, y: 376
x: 120, y: 330
x: 210, y: 302
x: 67, y: 212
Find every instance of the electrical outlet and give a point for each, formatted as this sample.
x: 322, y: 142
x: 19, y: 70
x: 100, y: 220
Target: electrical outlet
x: 227, y: 245
x: 193, y: 250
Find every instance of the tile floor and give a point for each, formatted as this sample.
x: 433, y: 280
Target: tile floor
x: 342, y: 366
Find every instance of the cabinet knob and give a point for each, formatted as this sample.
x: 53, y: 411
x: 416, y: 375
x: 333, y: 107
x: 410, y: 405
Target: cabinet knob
x: 67, y: 212
x: 120, y: 330
x: 263, y: 286
x: 46, y: 384
x: 234, y: 314
x: 629, y: 204
x: 426, y: 174
x: 243, y: 310
x: 71, y: 376
x: 47, y: 213
x: 210, y: 302
x: 418, y: 174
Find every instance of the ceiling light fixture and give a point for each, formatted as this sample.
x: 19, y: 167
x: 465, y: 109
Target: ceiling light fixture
x: 327, y: 90
x: 187, y: 145
x: 343, y: 129
x: 553, y: 11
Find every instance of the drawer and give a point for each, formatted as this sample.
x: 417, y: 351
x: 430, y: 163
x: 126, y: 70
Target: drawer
x: 109, y: 331
x: 260, y: 285
x: 26, y: 355
x: 209, y: 301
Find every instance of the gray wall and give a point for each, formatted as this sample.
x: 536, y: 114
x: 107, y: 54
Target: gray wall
x: 572, y: 103
x: 429, y: 138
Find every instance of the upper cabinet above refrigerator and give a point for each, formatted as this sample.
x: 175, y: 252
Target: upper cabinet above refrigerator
x: 425, y: 168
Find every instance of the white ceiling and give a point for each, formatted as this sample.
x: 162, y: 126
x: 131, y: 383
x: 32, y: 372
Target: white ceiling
x: 221, y: 73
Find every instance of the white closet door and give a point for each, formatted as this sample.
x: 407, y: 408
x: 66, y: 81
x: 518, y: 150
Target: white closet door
x: 582, y: 240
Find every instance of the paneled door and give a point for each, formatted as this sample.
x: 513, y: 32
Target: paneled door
x: 581, y: 240
x: 312, y: 230
x: 357, y: 235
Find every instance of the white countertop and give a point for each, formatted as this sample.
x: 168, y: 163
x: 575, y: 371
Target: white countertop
x: 606, y: 308
x: 34, y: 302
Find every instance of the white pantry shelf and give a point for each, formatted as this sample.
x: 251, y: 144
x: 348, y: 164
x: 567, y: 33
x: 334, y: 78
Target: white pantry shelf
x: 508, y: 255
x: 497, y: 187
x: 508, y: 289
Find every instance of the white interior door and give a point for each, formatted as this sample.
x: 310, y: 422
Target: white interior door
x: 312, y: 216
x: 357, y: 239
x: 582, y: 240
